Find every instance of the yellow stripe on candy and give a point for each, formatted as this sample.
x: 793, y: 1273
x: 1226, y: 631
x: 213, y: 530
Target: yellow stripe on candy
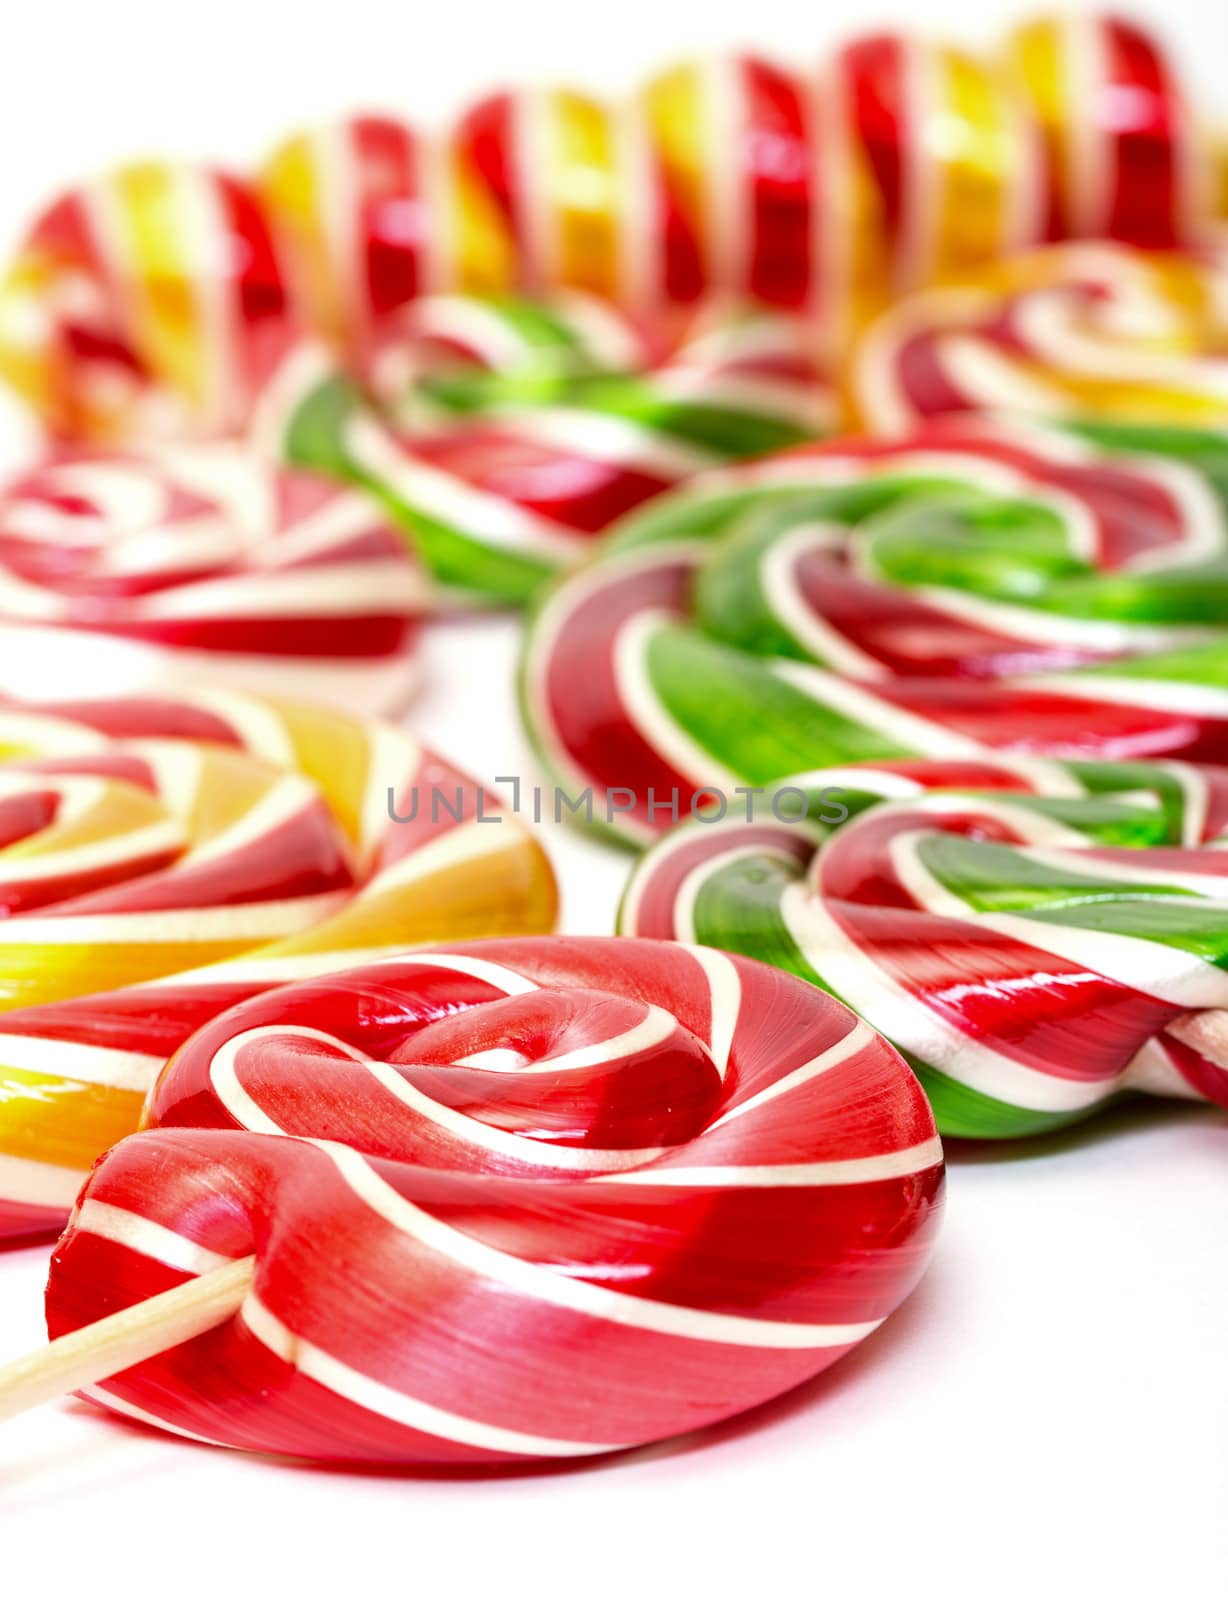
x: 976, y: 144
x: 61, y: 1121
x: 152, y: 229
x: 35, y: 972
x: 480, y: 254
x: 1034, y: 52
x: 459, y: 884
x: 585, y: 180
x: 27, y: 349
x: 677, y: 122
x: 294, y: 185
x: 334, y: 753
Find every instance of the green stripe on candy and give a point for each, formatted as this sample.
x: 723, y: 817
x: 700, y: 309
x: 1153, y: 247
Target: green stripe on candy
x: 747, y: 717
x: 1011, y: 551
x: 991, y: 877
x: 738, y: 908
x: 1018, y: 552
x: 714, y: 514
x: 732, y: 604
x: 1199, y: 927
x: 1131, y: 777
x: 1193, y: 595
x: 962, y: 1112
x: 1204, y: 449
x: 1105, y: 821
x: 1004, y: 549
x: 740, y: 901
x: 723, y: 429
x: 315, y: 431
x: 470, y: 571
x: 1203, y: 665
x: 315, y: 437
x: 544, y: 329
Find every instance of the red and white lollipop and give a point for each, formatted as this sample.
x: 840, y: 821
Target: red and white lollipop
x: 201, y: 563
x: 507, y: 1201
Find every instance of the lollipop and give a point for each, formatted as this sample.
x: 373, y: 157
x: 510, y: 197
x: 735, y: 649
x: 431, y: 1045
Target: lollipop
x: 549, y: 167
x: 503, y: 1201
x: 730, y: 153
x: 1095, y: 330
x: 201, y: 562
x: 1121, y: 156
x: 144, y: 305
x: 947, y: 150
x: 965, y: 588
x: 142, y: 839
x: 365, y: 216
x: 508, y: 433
x: 148, y: 301
x: 1036, y: 937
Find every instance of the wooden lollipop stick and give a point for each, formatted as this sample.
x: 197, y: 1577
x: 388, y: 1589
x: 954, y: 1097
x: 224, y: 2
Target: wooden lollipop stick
x: 115, y: 1343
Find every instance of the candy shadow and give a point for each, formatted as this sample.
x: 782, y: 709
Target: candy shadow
x: 1124, y: 1119
x: 74, y: 1466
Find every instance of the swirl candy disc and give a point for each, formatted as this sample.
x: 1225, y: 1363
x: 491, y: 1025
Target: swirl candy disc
x: 1089, y: 330
x: 966, y: 587
x: 509, y: 1201
x: 145, y: 305
x: 1036, y: 938
x: 125, y: 572
x: 142, y: 839
x: 510, y: 433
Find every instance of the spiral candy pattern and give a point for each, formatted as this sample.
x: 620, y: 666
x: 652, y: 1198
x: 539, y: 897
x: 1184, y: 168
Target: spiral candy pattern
x: 483, y: 1232
x: 1076, y: 330
x: 146, y: 304
x: 511, y: 432
x: 194, y: 563
x: 143, y: 839
x: 1057, y: 593
x: 1036, y: 937
x: 149, y: 301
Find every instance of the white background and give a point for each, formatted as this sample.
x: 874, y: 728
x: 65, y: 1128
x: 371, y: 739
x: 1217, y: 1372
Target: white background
x: 1048, y: 1414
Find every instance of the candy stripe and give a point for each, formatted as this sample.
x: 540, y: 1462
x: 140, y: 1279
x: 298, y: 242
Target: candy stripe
x: 1077, y: 330
x: 1033, y: 954
x: 702, y: 647
x: 154, y: 299
x: 180, y: 566
x: 148, y: 837
x: 619, y: 1301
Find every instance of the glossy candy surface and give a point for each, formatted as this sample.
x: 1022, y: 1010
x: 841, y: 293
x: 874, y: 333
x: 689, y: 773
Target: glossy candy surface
x: 147, y: 302
x: 141, y: 839
x: 1121, y: 155
x: 1056, y: 592
x: 511, y: 1201
x: 144, y: 305
x: 1076, y: 330
x: 507, y: 434
x: 1036, y: 937
x: 166, y: 566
